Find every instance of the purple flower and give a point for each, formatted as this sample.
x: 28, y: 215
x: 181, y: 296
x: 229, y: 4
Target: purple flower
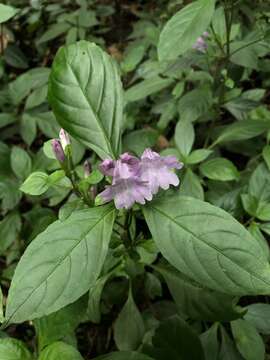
x: 157, y: 171
x: 127, y: 187
x: 64, y: 138
x: 58, y: 150
x: 136, y: 180
x: 201, y: 44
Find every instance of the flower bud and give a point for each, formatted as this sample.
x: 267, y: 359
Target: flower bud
x: 87, y: 168
x: 58, y: 150
x: 64, y: 138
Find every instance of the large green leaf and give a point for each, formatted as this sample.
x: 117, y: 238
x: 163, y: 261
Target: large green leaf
x: 183, y: 29
x: 85, y: 93
x: 60, y: 350
x: 208, y: 245
x: 60, y: 264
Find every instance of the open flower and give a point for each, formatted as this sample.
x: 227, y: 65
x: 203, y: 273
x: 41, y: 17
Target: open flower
x: 157, y: 171
x: 127, y: 187
x: 136, y: 180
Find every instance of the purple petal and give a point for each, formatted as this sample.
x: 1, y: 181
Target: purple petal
x: 157, y: 170
x: 107, y: 167
x: 58, y: 150
x: 64, y: 138
x: 126, y: 192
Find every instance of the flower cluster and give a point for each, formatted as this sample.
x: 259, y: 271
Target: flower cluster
x: 201, y: 44
x: 137, y: 180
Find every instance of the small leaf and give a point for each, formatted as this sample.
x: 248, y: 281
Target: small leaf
x: 7, y: 12
x: 183, y: 29
x: 129, y: 327
x: 145, y: 88
x: 184, y: 136
x: 243, y: 130
x: 60, y: 324
x: 60, y: 350
x: 198, y: 156
x: 209, y: 340
x: 36, y: 184
x: 191, y: 185
x: 266, y: 155
x: 259, y: 316
x: 21, y: 162
x: 219, y: 169
x: 12, y: 349
x: 124, y: 355
x: 248, y: 341
x: 85, y: 93
x: 60, y: 265
x: 197, y: 302
x: 175, y: 338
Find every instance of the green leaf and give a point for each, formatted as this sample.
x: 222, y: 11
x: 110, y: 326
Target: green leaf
x: 209, y: 340
x: 28, y: 128
x: 177, y: 340
x: 85, y: 93
x: 228, y: 349
x: 183, y: 29
x: 9, y: 229
x: 12, y: 349
x: 259, y: 316
x: 146, y: 87
x: 184, y: 136
x: 60, y: 324
x: 266, y: 155
x: 243, y: 130
x: 36, y: 184
x: 208, y: 245
x: 7, y: 119
x: 60, y: 350
x: 61, y: 264
x: 244, y: 55
x: 21, y: 162
x: 137, y: 141
x: 195, y: 104
x: 259, y: 183
x: 54, y: 31
x: 219, y: 169
x: 124, y: 355
x: 191, y: 185
x: 198, y: 156
x: 1, y: 306
x: 129, y: 326
x: 7, y: 12
x: 248, y: 341
x: 199, y: 303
